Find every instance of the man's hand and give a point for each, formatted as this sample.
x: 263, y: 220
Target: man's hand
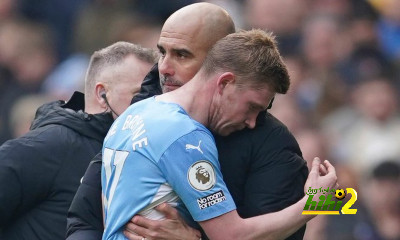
x: 321, y: 175
x: 172, y: 228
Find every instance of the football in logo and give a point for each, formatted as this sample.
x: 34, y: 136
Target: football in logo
x: 340, y: 194
x: 201, y: 175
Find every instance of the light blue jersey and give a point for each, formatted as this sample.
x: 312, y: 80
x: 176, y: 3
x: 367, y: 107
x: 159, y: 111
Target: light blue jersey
x: 153, y: 153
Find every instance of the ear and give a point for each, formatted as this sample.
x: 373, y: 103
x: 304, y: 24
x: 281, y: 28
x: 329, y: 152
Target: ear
x: 100, y: 91
x: 224, y: 80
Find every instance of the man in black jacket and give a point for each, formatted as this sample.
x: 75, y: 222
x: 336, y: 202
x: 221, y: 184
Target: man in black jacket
x: 263, y: 168
x: 40, y: 171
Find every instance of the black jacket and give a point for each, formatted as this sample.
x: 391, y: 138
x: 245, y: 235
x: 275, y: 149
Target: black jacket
x: 41, y: 171
x: 263, y: 169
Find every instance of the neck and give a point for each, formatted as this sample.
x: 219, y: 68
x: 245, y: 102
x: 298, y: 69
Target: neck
x: 195, y: 97
x: 93, y: 108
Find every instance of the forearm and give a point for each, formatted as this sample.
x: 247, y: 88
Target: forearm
x: 277, y: 225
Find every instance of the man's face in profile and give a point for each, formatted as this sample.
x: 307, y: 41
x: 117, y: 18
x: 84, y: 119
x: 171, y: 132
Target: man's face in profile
x: 182, y: 54
x: 238, y: 108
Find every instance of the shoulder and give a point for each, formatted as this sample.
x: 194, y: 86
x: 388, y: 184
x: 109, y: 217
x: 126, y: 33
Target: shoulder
x: 159, y: 118
x: 45, y: 137
x: 153, y: 125
x: 273, y: 132
x: 269, y: 131
x: 44, y: 148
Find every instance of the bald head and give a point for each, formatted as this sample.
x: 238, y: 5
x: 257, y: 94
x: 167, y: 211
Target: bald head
x: 185, y: 39
x: 205, y: 22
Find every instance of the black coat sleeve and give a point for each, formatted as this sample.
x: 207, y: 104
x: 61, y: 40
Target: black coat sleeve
x: 27, y: 171
x: 277, y: 175
x: 85, y: 218
x: 276, y: 178
x: 263, y: 169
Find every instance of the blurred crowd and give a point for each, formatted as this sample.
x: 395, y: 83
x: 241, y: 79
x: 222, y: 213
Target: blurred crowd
x: 343, y: 104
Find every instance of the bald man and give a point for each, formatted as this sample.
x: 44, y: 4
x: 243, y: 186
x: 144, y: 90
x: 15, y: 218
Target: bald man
x: 160, y: 150
x: 187, y: 36
x: 257, y: 164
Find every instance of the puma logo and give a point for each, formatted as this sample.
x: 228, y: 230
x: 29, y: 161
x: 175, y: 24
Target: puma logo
x: 190, y: 146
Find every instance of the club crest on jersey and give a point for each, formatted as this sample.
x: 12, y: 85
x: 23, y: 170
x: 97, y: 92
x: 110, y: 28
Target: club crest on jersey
x: 201, y: 175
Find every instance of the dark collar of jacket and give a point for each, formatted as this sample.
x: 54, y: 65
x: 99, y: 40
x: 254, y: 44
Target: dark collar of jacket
x: 150, y: 86
x: 71, y: 114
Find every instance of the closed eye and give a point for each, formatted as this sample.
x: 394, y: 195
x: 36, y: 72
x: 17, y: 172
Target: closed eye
x: 256, y: 107
x: 161, y: 50
x: 183, y: 53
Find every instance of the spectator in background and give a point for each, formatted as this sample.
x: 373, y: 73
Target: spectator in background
x: 388, y: 29
x: 375, y: 134
x: 322, y: 36
x: 99, y: 24
x: 136, y: 28
x: 104, y: 21
x: 27, y: 57
x: 59, y: 16
x: 378, y: 212
x: 7, y: 9
x: 286, y: 110
x: 264, y: 14
x: 382, y: 198
x: 40, y: 171
x: 312, y: 144
x: 67, y: 77
x: 23, y: 113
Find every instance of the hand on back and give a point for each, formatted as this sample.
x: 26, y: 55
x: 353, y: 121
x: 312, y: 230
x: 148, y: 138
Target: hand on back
x: 173, y: 227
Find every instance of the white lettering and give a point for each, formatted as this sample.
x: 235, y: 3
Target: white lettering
x: 139, y: 143
x: 211, y: 200
x: 138, y: 131
x: 132, y: 122
x: 136, y: 125
x: 201, y: 201
x: 127, y: 121
x: 214, y: 196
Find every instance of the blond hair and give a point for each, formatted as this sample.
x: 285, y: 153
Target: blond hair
x: 112, y: 56
x: 253, y: 57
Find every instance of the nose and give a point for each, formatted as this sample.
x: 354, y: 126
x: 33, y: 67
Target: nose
x: 251, y: 122
x: 165, y: 66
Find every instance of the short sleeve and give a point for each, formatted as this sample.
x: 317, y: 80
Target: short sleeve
x: 191, y: 167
